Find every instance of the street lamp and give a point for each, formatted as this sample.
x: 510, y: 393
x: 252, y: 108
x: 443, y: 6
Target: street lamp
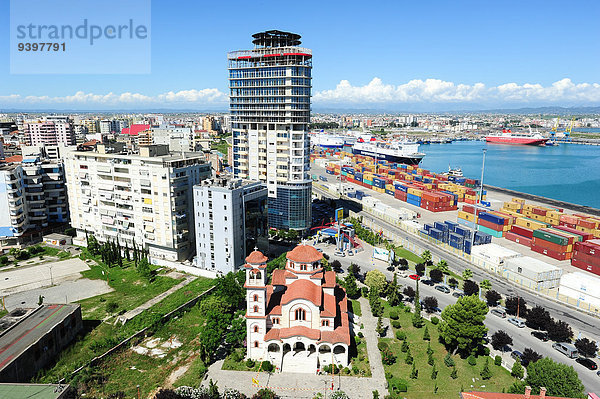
x: 479, y: 199
x: 50, y: 266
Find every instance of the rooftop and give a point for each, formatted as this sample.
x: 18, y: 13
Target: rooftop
x: 32, y: 391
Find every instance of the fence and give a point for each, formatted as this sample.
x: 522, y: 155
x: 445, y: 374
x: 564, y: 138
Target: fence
x: 139, y: 333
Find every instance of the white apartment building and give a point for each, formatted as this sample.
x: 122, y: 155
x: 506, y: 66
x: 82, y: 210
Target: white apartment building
x: 231, y: 221
x: 178, y: 138
x: 51, y: 131
x: 143, y: 199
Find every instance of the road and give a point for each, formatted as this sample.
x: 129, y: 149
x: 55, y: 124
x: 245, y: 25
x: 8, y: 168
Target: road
x: 522, y: 337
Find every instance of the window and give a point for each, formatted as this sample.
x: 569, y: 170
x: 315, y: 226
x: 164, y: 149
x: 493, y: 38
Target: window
x: 255, y: 329
x: 303, y: 267
x: 255, y: 309
x: 276, y: 320
x: 325, y: 323
x: 255, y: 298
x: 300, y: 314
x: 256, y: 344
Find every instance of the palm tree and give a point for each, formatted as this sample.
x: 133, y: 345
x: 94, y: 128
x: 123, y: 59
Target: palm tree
x: 486, y: 285
x: 467, y: 274
x: 426, y: 255
x: 443, y: 266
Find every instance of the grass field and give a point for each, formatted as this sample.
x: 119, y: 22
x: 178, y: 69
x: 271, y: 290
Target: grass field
x: 406, y: 254
x: 423, y: 387
x: 221, y: 146
x: 355, y: 307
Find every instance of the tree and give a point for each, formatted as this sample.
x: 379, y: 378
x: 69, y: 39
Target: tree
x: 514, y: 304
x: 517, y: 370
x: 426, y: 336
x: 559, y: 331
x: 529, y: 356
x: 409, y: 292
x: 492, y: 298
x: 486, y: 284
x: 143, y: 269
x: 486, y: 374
x: 538, y: 318
x: 228, y: 287
x: 467, y: 274
x: 375, y: 303
x: 336, y: 266
x: 266, y: 393
x: 462, y: 325
x: 375, y: 280
x: 442, y: 266
x: 212, y: 332
x: 500, y: 339
x: 351, y: 286
x: 586, y: 347
x: 452, y: 282
x: 420, y: 269
x: 237, y: 332
x: 470, y: 287
x: 436, y: 275
x: 558, y: 379
x: 393, y: 295
x: 417, y: 319
x: 354, y: 269
x: 379, y: 329
x: 430, y: 303
x: 426, y: 256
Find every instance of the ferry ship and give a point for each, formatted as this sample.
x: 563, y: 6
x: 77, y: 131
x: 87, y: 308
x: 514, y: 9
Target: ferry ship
x: 508, y: 137
x: 325, y: 140
x: 398, y: 152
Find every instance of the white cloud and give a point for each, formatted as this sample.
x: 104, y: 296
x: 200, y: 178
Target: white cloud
x: 424, y: 93
x: 439, y: 91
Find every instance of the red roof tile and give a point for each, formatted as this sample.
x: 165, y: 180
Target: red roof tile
x: 272, y: 334
x: 329, y: 279
x: 302, y: 289
x: 302, y: 331
x: 256, y: 257
x: 305, y: 254
x: 329, y: 306
x: 135, y: 129
x: 14, y: 158
x: 278, y: 277
x: 91, y: 143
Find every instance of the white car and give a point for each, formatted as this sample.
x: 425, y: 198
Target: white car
x: 517, y: 322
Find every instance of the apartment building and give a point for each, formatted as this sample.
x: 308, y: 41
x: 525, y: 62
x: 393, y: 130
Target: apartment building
x: 178, y: 138
x: 33, y: 197
x: 144, y: 199
x: 270, y: 91
x: 231, y: 221
x: 51, y: 131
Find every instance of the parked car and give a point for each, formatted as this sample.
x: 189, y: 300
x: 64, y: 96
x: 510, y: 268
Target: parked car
x: 458, y: 294
x: 437, y: 310
x: 587, y: 363
x: 414, y: 276
x: 443, y: 288
x: 319, y: 250
x: 517, y: 322
x: 516, y: 355
x: 428, y: 282
x: 391, y: 268
x: 350, y: 252
x: 541, y: 335
x: 403, y: 273
x: 339, y: 253
x: 566, y: 349
x: 498, y: 312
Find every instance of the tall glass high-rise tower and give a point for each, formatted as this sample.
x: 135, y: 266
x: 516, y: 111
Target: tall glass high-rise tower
x: 270, y: 112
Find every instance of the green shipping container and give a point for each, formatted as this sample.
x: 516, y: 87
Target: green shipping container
x: 566, y: 233
x: 493, y: 233
x: 555, y: 238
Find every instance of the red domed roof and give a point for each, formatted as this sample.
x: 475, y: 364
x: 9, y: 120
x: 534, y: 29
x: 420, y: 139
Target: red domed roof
x: 256, y: 257
x: 304, y: 254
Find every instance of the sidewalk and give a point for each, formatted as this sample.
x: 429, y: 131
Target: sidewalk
x: 125, y: 317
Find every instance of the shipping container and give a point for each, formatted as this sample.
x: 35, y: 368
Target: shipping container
x: 532, y: 268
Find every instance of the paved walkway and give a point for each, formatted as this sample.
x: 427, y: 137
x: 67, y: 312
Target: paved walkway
x: 125, y: 317
x: 301, y: 385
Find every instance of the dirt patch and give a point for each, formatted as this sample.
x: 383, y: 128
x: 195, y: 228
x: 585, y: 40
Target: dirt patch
x: 179, y: 371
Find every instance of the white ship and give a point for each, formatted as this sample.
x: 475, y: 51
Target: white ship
x: 398, y: 152
x: 325, y: 140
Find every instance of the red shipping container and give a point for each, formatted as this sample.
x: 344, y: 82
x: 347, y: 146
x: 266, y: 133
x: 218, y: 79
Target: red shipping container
x: 586, y: 236
x: 588, y: 224
x: 493, y: 226
x: 522, y: 231
x: 549, y: 245
x: 469, y: 209
x: 587, y: 248
x: 567, y: 224
x: 518, y: 239
x: 550, y: 253
x: 538, y: 211
x: 587, y: 258
x: 584, y: 266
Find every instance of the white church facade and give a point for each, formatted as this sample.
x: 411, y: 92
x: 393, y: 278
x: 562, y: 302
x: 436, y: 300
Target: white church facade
x: 300, y: 321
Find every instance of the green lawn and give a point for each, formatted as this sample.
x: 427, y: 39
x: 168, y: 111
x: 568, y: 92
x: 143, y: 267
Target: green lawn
x: 423, y: 387
x: 406, y: 254
x: 355, y: 307
x: 359, y: 359
x: 3, y: 312
x: 222, y: 147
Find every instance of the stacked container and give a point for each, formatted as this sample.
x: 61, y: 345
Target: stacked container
x: 586, y: 256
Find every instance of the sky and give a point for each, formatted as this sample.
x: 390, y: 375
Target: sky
x: 390, y: 55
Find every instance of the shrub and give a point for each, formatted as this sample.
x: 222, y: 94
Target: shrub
x: 265, y: 393
x: 414, y: 373
x: 393, y: 315
x: 112, y: 306
x: 360, y: 334
x: 486, y: 351
x: 430, y: 360
x: 250, y: 363
x: 339, y: 395
x: 454, y: 374
x: 435, y: 321
x: 448, y: 361
x: 426, y: 336
x: 498, y: 360
x: 266, y: 366
x: 486, y: 374
x: 236, y: 356
x: 400, y: 335
x: 387, y: 357
x: 365, y: 292
x: 397, y: 386
x: 404, y: 346
x: 4, y: 260
x: 434, y: 373
x: 381, y: 345
x: 472, y: 360
x: 396, y: 324
x: 355, y: 370
x: 408, y: 359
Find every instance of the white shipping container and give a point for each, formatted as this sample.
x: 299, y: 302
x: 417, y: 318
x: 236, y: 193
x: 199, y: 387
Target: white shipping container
x: 529, y: 283
x: 578, y: 295
x: 583, y: 282
x: 532, y: 268
x: 493, y: 254
x: 370, y: 201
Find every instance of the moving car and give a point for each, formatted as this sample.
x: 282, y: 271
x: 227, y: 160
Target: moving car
x: 517, y: 355
x: 414, y: 276
x: 587, y: 363
x: 498, y: 312
x: 566, y: 349
x: 339, y: 253
x: 442, y: 288
x: 541, y: 335
x: 517, y: 322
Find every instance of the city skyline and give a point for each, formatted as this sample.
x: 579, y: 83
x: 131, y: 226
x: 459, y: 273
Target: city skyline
x: 438, y: 57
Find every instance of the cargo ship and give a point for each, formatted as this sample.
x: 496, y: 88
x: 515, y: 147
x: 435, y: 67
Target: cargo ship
x: 508, y: 137
x: 398, y: 152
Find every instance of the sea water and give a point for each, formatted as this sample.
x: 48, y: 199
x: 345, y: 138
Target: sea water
x: 567, y: 172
